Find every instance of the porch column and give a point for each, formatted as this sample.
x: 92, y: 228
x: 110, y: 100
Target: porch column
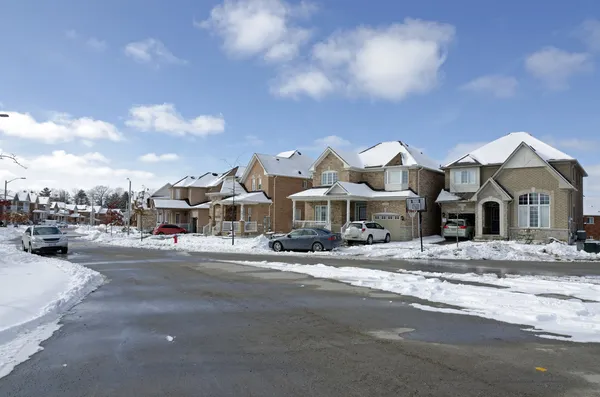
x: 242, y: 212
x: 293, y: 212
x: 348, y: 210
x: 329, y: 212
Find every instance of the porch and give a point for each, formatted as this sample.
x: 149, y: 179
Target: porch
x: 247, y: 213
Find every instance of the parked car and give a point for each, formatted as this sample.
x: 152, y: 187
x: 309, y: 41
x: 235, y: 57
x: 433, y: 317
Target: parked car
x: 366, y: 232
x: 307, y: 239
x: 461, y: 227
x: 44, y: 239
x: 168, y: 229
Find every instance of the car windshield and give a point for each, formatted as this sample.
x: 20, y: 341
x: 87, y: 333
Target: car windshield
x: 455, y: 222
x: 45, y: 231
x: 356, y: 225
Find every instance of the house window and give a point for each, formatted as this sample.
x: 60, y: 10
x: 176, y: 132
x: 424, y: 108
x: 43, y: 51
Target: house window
x: 249, y: 214
x: 298, y: 214
x: 396, y: 177
x: 177, y: 219
x: 259, y: 183
x: 177, y: 194
x: 590, y: 220
x: 253, y: 183
x: 321, y: 213
x: 329, y: 178
x: 465, y: 177
x: 534, y: 210
x: 304, y: 184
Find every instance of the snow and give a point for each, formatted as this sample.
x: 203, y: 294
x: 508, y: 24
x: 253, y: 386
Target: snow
x: 352, y: 189
x: 170, y: 338
x: 314, y: 192
x: 296, y: 165
x: 287, y: 154
x: 248, y: 198
x: 34, y: 292
x: 498, y: 151
x: 548, y: 317
x: 445, y: 196
x: 173, y: 204
x: 382, y: 153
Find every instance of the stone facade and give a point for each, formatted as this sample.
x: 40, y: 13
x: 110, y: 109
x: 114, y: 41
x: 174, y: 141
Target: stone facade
x: 330, y: 163
x: 375, y: 179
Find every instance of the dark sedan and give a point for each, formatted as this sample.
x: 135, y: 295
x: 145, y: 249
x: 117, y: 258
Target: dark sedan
x: 308, y: 239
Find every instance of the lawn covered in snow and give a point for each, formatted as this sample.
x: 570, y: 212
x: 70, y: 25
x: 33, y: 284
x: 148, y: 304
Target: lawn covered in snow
x: 34, y: 292
x: 564, y: 308
x: 493, y: 250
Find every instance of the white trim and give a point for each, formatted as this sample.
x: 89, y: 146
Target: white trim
x: 479, y: 216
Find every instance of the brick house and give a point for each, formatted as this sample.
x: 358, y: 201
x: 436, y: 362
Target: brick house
x: 371, y: 185
x: 591, y: 222
x: 516, y: 187
x: 263, y: 204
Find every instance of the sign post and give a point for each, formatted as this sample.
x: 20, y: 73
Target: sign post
x: 417, y: 204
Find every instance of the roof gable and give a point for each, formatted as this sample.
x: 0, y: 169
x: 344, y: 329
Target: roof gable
x: 490, y: 183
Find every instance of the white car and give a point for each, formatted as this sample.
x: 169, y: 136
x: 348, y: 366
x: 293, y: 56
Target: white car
x: 44, y: 239
x: 366, y: 232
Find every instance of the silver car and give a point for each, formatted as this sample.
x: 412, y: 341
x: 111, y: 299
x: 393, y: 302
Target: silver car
x: 461, y: 227
x: 44, y: 239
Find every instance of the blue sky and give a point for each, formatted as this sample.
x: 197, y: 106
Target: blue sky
x: 92, y: 79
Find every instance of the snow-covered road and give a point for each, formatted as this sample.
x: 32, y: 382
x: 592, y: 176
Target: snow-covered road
x: 565, y: 308
x: 34, y: 292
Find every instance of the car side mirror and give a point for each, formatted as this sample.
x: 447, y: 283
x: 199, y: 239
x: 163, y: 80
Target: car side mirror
x: 289, y: 236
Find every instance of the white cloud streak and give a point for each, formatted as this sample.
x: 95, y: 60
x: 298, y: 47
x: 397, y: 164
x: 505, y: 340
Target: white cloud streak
x: 554, y: 67
x: 157, y: 158
x: 496, y: 85
x: 152, y: 51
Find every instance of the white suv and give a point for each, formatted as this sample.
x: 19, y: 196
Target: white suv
x: 44, y: 239
x: 366, y: 232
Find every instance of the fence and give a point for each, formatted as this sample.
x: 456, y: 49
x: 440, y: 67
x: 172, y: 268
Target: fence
x: 228, y: 225
x: 250, y: 227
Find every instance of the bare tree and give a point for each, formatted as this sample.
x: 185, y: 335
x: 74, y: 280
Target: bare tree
x: 98, y: 194
x: 11, y: 157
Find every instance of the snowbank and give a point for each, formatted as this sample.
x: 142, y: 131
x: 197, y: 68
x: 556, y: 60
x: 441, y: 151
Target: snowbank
x: 515, y: 300
x: 34, y: 292
x: 493, y: 250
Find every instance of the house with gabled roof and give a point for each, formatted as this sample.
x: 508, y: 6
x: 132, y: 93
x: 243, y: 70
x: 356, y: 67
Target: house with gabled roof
x: 370, y: 185
x: 261, y: 204
x: 516, y: 187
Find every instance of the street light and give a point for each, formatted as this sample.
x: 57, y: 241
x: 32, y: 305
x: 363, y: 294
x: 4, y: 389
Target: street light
x: 6, y: 185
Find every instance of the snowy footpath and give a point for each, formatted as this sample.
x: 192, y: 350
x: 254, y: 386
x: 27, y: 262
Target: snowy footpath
x: 493, y: 250
x: 34, y: 292
x: 564, y: 308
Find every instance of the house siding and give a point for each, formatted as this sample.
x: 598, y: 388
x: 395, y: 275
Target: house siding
x: 429, y: 185
x: 256, y: 172
x: 593, y: 229
x: 330, y: 163
x: 282, y: 206
x: 197, y: 195
x: 487, y: 171
x: 375, y: 179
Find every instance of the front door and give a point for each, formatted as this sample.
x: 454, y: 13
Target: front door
x: 360, y: 212
x: 491, y: 218
x: 194, y: 225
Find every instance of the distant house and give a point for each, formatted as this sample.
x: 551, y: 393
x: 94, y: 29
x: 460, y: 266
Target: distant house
x: 371, y: 185
x: 591, y: 222
x: 516, y: 187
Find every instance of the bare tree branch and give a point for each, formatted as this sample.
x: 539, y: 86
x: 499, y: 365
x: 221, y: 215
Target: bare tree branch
x: 11, y: 157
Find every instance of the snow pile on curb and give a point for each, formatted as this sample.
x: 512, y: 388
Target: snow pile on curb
x: 516, y: 300
x: 34, y: 292
x: 492, y: 250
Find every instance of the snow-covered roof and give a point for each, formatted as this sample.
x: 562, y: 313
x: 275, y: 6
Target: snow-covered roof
x: 445, y: 197
x: 351, y: 189
x: 202, y: 206
x: 32, y: 197
x: 71, y: 207
x: 163, y: 191
x: 43, y: 200
x: 171, y: 204
x: 205, y: 180
x: 496, y: 152
x: 248, y: 198
x: 384, y: 152
x: 293, y: 164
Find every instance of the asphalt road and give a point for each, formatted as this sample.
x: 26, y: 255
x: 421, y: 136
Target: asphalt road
x: 243, y: 331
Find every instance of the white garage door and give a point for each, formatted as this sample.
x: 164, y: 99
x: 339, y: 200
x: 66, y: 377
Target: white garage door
x: 394, y: 223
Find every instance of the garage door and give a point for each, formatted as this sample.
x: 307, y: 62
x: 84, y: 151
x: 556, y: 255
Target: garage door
x: 393, y: 223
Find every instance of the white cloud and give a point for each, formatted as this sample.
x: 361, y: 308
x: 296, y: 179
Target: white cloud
x: 253, y: 140
x: 152, y: 51
x: 460, y: 150
x: 156, y: 158
x: 87, y: 143
x: 390, y: 62
x: 96, y: 44
x: 331, y: 140
x: 61, y: 127
x: 259, y: 27
x: 60, y: 169
x: 496, y: 85
x: 554, y: 67
x: 165, y: 118
x: 589, y: 33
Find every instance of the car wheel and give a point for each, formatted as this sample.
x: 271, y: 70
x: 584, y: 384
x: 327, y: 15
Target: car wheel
x: 369, y: 240
x: 277, y: 246
x: 64, y: 251
x: 388, y: 238
x: 317, y: 247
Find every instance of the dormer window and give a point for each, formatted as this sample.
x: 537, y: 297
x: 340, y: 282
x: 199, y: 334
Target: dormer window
x: 465, y: 177
x: 328, y: 178
x: 253, y: 184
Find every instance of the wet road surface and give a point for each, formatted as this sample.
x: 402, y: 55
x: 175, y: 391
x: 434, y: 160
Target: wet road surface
x: 178, y: 324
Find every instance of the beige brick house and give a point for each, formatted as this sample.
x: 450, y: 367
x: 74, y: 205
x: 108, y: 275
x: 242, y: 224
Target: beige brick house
x: 262, y: 204
x: 516, y: 187
x: 371, y: 185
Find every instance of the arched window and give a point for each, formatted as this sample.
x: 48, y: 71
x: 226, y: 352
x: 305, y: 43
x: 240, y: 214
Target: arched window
x: 329, y: 178
x: 534, y: 210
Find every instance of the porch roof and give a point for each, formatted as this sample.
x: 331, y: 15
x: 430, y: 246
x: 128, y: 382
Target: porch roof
x: 202, y: 206
x: 445, y: 197
x: 248, y: 198
x: 350, y: 190
x: 171, y: 204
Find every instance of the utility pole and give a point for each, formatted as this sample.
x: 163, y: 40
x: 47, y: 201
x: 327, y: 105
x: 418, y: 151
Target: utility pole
x: 233, y: 203
x: 129, y: 207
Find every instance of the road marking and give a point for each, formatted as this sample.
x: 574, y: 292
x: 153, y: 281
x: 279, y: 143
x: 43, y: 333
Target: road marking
x: 541, y: 369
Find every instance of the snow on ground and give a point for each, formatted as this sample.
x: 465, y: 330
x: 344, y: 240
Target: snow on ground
x: 493, y: 250
x: 514, y: 300
x: 34, y: 292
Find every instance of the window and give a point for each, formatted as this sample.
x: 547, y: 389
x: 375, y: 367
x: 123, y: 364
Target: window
x: 259, y: 183
x: 329, y: 178
x: 249, y: 214
x: 321, y: 213
x: 465, y: 177
x: 297, y: 214
x: 177, y: 218
x: 177, y: 194
x: 253, y: 183
x: 590, y: 220
x: 296, y: 233
x: 534, y: 210
x: 304, y: 184
x: 397, y: 177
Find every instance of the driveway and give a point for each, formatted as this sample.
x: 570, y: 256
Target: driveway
x: 178, y: 324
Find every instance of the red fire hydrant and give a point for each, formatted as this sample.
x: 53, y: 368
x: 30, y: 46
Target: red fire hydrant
x: 175, y: 239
